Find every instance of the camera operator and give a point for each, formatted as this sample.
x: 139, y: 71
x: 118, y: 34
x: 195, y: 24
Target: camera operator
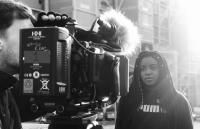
x: 13, y: 17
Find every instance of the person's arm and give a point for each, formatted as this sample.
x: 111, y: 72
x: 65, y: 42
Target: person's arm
x: 184, y: 114
x: 14, y: 111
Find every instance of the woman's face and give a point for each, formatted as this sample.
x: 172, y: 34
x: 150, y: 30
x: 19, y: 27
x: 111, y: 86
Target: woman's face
x: 149, y: 71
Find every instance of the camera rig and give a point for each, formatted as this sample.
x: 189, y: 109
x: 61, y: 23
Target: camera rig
x: 68, y: 70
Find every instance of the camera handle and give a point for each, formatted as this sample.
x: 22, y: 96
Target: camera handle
x: 83, y: 121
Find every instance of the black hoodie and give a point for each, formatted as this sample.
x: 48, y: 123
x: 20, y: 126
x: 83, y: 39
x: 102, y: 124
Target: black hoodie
x: 160, y: 107
x: 9, y: 113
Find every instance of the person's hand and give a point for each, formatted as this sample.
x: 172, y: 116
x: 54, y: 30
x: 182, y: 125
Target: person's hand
x: 53, y: 19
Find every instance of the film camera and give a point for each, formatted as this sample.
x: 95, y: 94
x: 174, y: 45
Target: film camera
x: 68, y: 70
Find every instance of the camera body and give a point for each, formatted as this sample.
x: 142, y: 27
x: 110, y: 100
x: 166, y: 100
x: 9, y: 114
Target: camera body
x: 60, y: 73
x: 45, y: 62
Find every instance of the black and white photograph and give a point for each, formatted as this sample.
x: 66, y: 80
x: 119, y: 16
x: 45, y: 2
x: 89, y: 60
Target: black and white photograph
x: 99, y: 64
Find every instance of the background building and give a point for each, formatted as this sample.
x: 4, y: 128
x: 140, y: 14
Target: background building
x: 153, y: 20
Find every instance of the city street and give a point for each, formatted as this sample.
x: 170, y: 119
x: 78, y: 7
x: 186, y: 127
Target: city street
x: 29, y: 125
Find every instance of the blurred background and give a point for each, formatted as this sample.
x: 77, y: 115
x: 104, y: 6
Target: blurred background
x: 168, y: 26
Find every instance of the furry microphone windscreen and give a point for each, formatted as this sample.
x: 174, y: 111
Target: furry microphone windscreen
x: 126, y: 33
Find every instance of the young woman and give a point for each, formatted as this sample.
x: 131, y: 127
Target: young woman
x: 153, y: 102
